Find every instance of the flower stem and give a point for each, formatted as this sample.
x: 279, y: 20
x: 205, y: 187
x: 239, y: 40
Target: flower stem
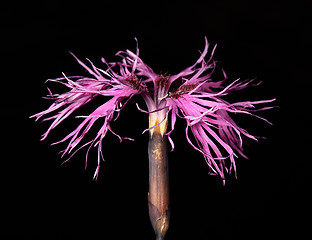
x: 158, y: 197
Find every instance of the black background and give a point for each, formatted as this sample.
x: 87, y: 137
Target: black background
x: 42, y: 199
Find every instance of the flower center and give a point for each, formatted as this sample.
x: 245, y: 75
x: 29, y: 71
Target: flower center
x: 162, y: 86
x: 181, y: 90
x: 134, y: 82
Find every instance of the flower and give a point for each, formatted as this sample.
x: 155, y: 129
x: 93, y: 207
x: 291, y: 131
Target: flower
x: 191, y: 95
x: 120, y: 87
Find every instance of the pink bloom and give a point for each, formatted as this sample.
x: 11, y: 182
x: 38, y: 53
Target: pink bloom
x: 120, y: 87
x: 191, y: 95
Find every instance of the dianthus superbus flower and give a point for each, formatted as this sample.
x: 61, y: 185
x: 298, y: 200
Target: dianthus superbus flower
x: 192, y: 95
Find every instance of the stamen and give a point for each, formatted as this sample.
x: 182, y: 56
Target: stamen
x: 163, y: 97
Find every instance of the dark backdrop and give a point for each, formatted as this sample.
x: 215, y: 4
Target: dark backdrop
x: 42, y: 199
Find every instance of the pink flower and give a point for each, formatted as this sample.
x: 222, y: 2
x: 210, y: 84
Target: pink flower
x: 120, y: 87
x: 191, y: 95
